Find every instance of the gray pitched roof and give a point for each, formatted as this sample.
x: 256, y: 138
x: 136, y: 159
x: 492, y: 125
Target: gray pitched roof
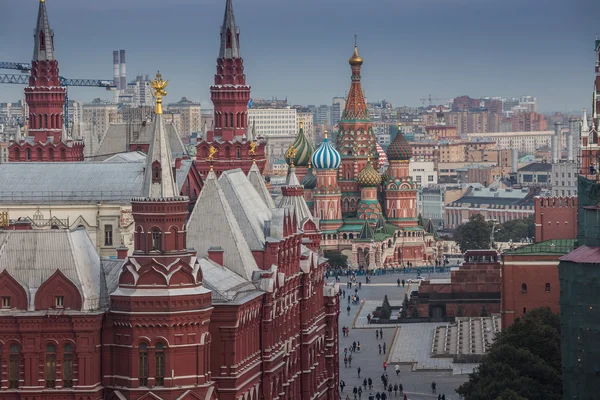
x: 130, y: 156
x: 258, y: 181
x: 31, y: 257
x: 247, y: 205
x: 213, y: 223
x: 118, y: 135
x: 45, y: 51
x: 226, y: 285
x: 232, y: 51
x: 296, y: 203
x: 159, y: 154
x: 81, y: 182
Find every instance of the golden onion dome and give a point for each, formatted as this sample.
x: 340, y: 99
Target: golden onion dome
x: 356, y: 59
x: 368, y: 177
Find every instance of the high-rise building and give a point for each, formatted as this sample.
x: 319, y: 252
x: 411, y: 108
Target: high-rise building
x: 47, y: 139
x: 337, y: 108
x: 274, y: 121
x: 191, y: 116
x: 99, y: 114
x: 230, y: 143
x: 323, y: 115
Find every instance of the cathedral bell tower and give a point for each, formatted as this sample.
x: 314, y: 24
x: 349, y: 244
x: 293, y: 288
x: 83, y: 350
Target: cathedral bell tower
x: 156, y: 332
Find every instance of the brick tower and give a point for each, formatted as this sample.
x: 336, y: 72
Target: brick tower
x: 156, y: 334
x: 45, y: 97
x: 230, y: 135
x: 355, y: 140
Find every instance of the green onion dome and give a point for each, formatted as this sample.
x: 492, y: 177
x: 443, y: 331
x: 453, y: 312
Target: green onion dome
x: 368, y: 177
x: 302, y: 148
x: 310, y: 180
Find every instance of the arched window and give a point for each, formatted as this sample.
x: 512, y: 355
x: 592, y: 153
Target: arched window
x: 160, y: 364
x: 547, y: 287
x: 156, y: 172
x: 13, y: 367
x: 524, y: 288
x: 143, y: 361
x: 68, y: 366
x: 50, y: 366
x: 63, y: 155
x: 156, y: 236
x: 45, y: 120
x: 28, y: 154
x: 238, y: 153
x: 40, y: 121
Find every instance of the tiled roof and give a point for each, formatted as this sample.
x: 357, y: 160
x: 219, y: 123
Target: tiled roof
x: 583, y: 255
x: 33, y: 256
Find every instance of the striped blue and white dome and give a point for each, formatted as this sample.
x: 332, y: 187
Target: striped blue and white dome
x: 326, y: 157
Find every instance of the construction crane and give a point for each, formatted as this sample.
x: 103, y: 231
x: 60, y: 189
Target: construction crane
x: 429, y: 98
x: 24, y: 80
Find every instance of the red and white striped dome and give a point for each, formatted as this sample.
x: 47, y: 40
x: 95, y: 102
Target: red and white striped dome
x: 382, y: 158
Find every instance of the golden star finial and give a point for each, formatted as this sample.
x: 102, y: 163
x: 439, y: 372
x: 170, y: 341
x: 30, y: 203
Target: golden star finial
x: 159, y: 91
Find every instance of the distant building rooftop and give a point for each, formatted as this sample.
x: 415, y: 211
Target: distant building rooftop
x: 536, y: 167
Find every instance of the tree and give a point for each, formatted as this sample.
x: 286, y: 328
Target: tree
x: 336, y: 259
x: 516, y: 230
x: 386, y: 308
x: 474, y: 234
x: 484, y: 312
x: 523, y: 362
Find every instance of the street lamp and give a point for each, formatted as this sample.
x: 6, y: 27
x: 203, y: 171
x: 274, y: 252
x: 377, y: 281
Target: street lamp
x: 496, y: 223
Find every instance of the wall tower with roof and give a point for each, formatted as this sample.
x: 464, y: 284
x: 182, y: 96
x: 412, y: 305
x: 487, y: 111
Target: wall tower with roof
x: 47, y: 138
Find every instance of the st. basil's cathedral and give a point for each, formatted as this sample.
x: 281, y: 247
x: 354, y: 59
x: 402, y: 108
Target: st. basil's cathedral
x: 370, y: 217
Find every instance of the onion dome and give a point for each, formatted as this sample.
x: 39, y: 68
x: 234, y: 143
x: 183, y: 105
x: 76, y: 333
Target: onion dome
x: 355, y: 59
x: 368, y: 177
x: 399, y: 149
x: 302, y: 149
x: 310, y: 180
x: 326, y: 156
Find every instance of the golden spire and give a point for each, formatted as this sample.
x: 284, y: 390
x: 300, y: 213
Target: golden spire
x: 325, y: 133
x: 159, y: 91
x: 399, y: 121
x: 291, y: 154
x: 301, y: 124
x: 356, y: 59
x: 368, y: 157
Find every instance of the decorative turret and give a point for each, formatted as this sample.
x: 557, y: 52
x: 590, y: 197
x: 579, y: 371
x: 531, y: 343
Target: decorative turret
x: 303, y: 149
x: 310, y: 180
x: 399, y: 149
x: 230, y: 35
x: 326, y: 156
x: 356, y: 107
x: 368, y: 177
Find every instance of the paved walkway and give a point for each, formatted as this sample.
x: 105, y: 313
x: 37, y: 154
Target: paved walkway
x: 417, y: 385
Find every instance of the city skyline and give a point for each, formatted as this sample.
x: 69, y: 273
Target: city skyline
x: 503, y: 51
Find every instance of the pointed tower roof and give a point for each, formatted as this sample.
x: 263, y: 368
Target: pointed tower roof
x: 356, y: 107
x: 381, y: 227
x: 293, y: 198
x: 585, y: 129
x: 159, y: 180
x: 292, y: 179
x: 43, y: 46
x: 366, y: 233
x: 18, y: 135
x: 230, y: 46
x: 258, y: 181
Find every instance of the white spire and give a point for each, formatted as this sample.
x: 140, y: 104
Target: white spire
x: 250, y: 133
x: 585, y: 129
x: 18, y: 136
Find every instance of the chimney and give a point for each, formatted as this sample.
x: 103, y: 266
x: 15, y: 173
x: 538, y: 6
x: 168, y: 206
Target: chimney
x: 122, y: 252
x: 116, y: 74
x: 556, y: 142
x: 570, y: 135
x: 215, y: 254
x: 123, y: 85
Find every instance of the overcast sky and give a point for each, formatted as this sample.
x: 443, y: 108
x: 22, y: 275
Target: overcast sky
x: 300, y: 49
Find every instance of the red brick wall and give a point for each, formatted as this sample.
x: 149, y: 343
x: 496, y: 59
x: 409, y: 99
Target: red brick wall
x: 555, y: 218
x: 534, y: 271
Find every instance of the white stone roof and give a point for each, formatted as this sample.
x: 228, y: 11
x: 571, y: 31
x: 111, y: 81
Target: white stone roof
x: 31, y: 257
x: 226, y: 284
x: 258, y: 181
x: 249, y: 209
x: 129, y: 156
x: 213, y: 223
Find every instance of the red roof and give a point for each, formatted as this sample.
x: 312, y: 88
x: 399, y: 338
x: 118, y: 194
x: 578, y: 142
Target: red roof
x: 583, y: 255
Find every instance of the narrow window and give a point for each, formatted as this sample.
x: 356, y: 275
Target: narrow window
x: 68, y: 366
x: 42, y: 41
x: 108, y: 235
x: 156, y: 239
x: 143, y: 361
x: 524, y: 288
x: 13, y: 367
x: 160, y: 364
x: 238, y: 153
x: 524, y: 310
x: 547, y: 287
x: 59, y: 301
x: 50, y: 366
x: 28, y: 154
x: 5, y: 301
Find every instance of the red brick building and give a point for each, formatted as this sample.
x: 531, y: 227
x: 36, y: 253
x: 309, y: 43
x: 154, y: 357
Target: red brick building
x: 530, y: 278
x: 231, y: 304
x: 555, y: 218
x: 475, y: 285
x: 47, y: 139
x: 231, y: 136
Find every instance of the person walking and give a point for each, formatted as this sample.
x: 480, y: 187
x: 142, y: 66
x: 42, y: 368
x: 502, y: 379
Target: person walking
x: 354, y: 346
x: 378, y: 396
x: 397, y: 369
x: 368, y: 318
x: 355, y: 392
x: 395, y: 389
x: 371, y: 397
x: 348, y: 309
x: 433, y: 385
x: 401, y: 389
x: 381, y: 333
x: 439, y: 397
x: 358, y: 347
x: 403, y: 282
x: 384, y: 366
x: 376, y: 334
x: 359, y: 392
x: 370, y: 383
x: 345, y: 362
x: 405, y: 397
x: 384, y: 347
x: 390, y: 388
x: 443, y: 397
x: 398, y: 281
x: 342, y: 385
x: 359, y: 284
x: 365, y: 383
x: 383, y: 395
x: 379, y: 348
x: 358, y: 372
x: 350, y: 360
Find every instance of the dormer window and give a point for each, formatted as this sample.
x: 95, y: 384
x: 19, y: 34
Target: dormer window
x: 156, y: 172
x: 6, y: 302
x: 59, y: 301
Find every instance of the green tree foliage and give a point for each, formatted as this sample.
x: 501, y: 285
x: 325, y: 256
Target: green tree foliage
x: 336, y: 259
x: 386, y: 308
x: 523, y: 363
x: 474, y: 235
x: 516, y: 230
